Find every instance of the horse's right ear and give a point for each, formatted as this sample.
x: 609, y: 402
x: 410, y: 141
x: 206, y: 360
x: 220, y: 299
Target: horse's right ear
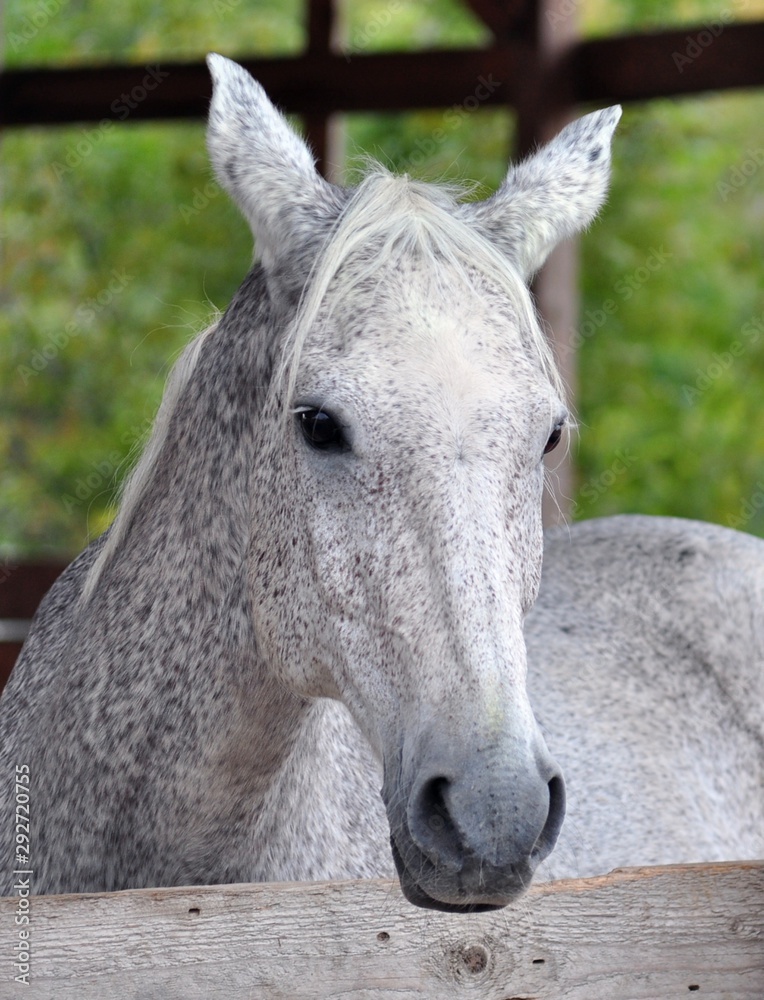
x: 269, y: 172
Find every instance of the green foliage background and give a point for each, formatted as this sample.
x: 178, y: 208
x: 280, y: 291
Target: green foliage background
x: 118, y: 246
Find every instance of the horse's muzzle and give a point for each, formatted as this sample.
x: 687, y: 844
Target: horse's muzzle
x: 472, y: 843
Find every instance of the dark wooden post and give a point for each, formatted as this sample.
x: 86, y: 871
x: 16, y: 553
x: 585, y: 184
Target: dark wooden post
x: 321, y: 38
x: 544, y: 101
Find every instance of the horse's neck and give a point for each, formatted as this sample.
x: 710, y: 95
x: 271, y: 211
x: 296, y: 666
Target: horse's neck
x: 322, y: 816
x: 290, y: 786
x: 189, y: 527
x: 285, y: 787
x: 170, y: 622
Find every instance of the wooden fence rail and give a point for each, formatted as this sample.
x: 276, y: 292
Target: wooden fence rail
x: 636, y: 934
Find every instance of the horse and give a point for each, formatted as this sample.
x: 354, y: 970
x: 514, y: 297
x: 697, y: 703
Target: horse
x: 308, y: 646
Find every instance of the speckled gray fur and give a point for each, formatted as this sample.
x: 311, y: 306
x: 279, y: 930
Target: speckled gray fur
x: 271, y: 635
x: 646, y: 672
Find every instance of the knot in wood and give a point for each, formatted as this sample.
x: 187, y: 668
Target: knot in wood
x: 469, y: 962
x: 475, y: 959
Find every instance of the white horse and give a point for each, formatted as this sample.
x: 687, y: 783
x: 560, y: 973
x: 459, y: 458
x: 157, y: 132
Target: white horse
x: 321, y: 577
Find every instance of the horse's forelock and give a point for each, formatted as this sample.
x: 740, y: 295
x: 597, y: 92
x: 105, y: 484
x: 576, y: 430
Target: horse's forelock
x: 388, y: 217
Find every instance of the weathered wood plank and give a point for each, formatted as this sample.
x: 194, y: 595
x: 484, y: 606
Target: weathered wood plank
x: 637, y: 934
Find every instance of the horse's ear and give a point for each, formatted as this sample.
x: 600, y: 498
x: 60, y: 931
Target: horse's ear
x: 268, y: 171
x: 553, y: 194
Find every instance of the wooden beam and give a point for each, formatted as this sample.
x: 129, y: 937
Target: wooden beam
x: 648, y: 933
x: 632, y: 68
x: 668, y: 63
x: 308, y: 84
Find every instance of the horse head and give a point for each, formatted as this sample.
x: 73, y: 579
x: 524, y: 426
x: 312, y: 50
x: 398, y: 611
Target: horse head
x: 412, y: 401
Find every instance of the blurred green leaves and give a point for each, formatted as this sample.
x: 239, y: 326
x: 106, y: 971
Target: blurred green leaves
x: 118, y: 246
x: 661, y: 378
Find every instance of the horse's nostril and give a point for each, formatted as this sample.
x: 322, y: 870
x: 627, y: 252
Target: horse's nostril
x: 434, y: 803
x: 431, y: 824
x: 548, y: 836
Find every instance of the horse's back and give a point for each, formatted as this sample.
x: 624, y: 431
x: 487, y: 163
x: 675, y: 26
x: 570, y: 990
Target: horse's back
x: 33, y: 690
x: 646, y: 663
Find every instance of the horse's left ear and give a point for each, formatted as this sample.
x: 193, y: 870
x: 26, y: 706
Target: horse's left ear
x: 553, y: 194
x: 269, y: 172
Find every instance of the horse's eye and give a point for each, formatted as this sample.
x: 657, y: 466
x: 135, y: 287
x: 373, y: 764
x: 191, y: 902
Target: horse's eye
x: 554, y: 439
x: 321, y: 430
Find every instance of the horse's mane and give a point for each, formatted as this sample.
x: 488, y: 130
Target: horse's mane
x: 386, y: 217
x: 139, y: 478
